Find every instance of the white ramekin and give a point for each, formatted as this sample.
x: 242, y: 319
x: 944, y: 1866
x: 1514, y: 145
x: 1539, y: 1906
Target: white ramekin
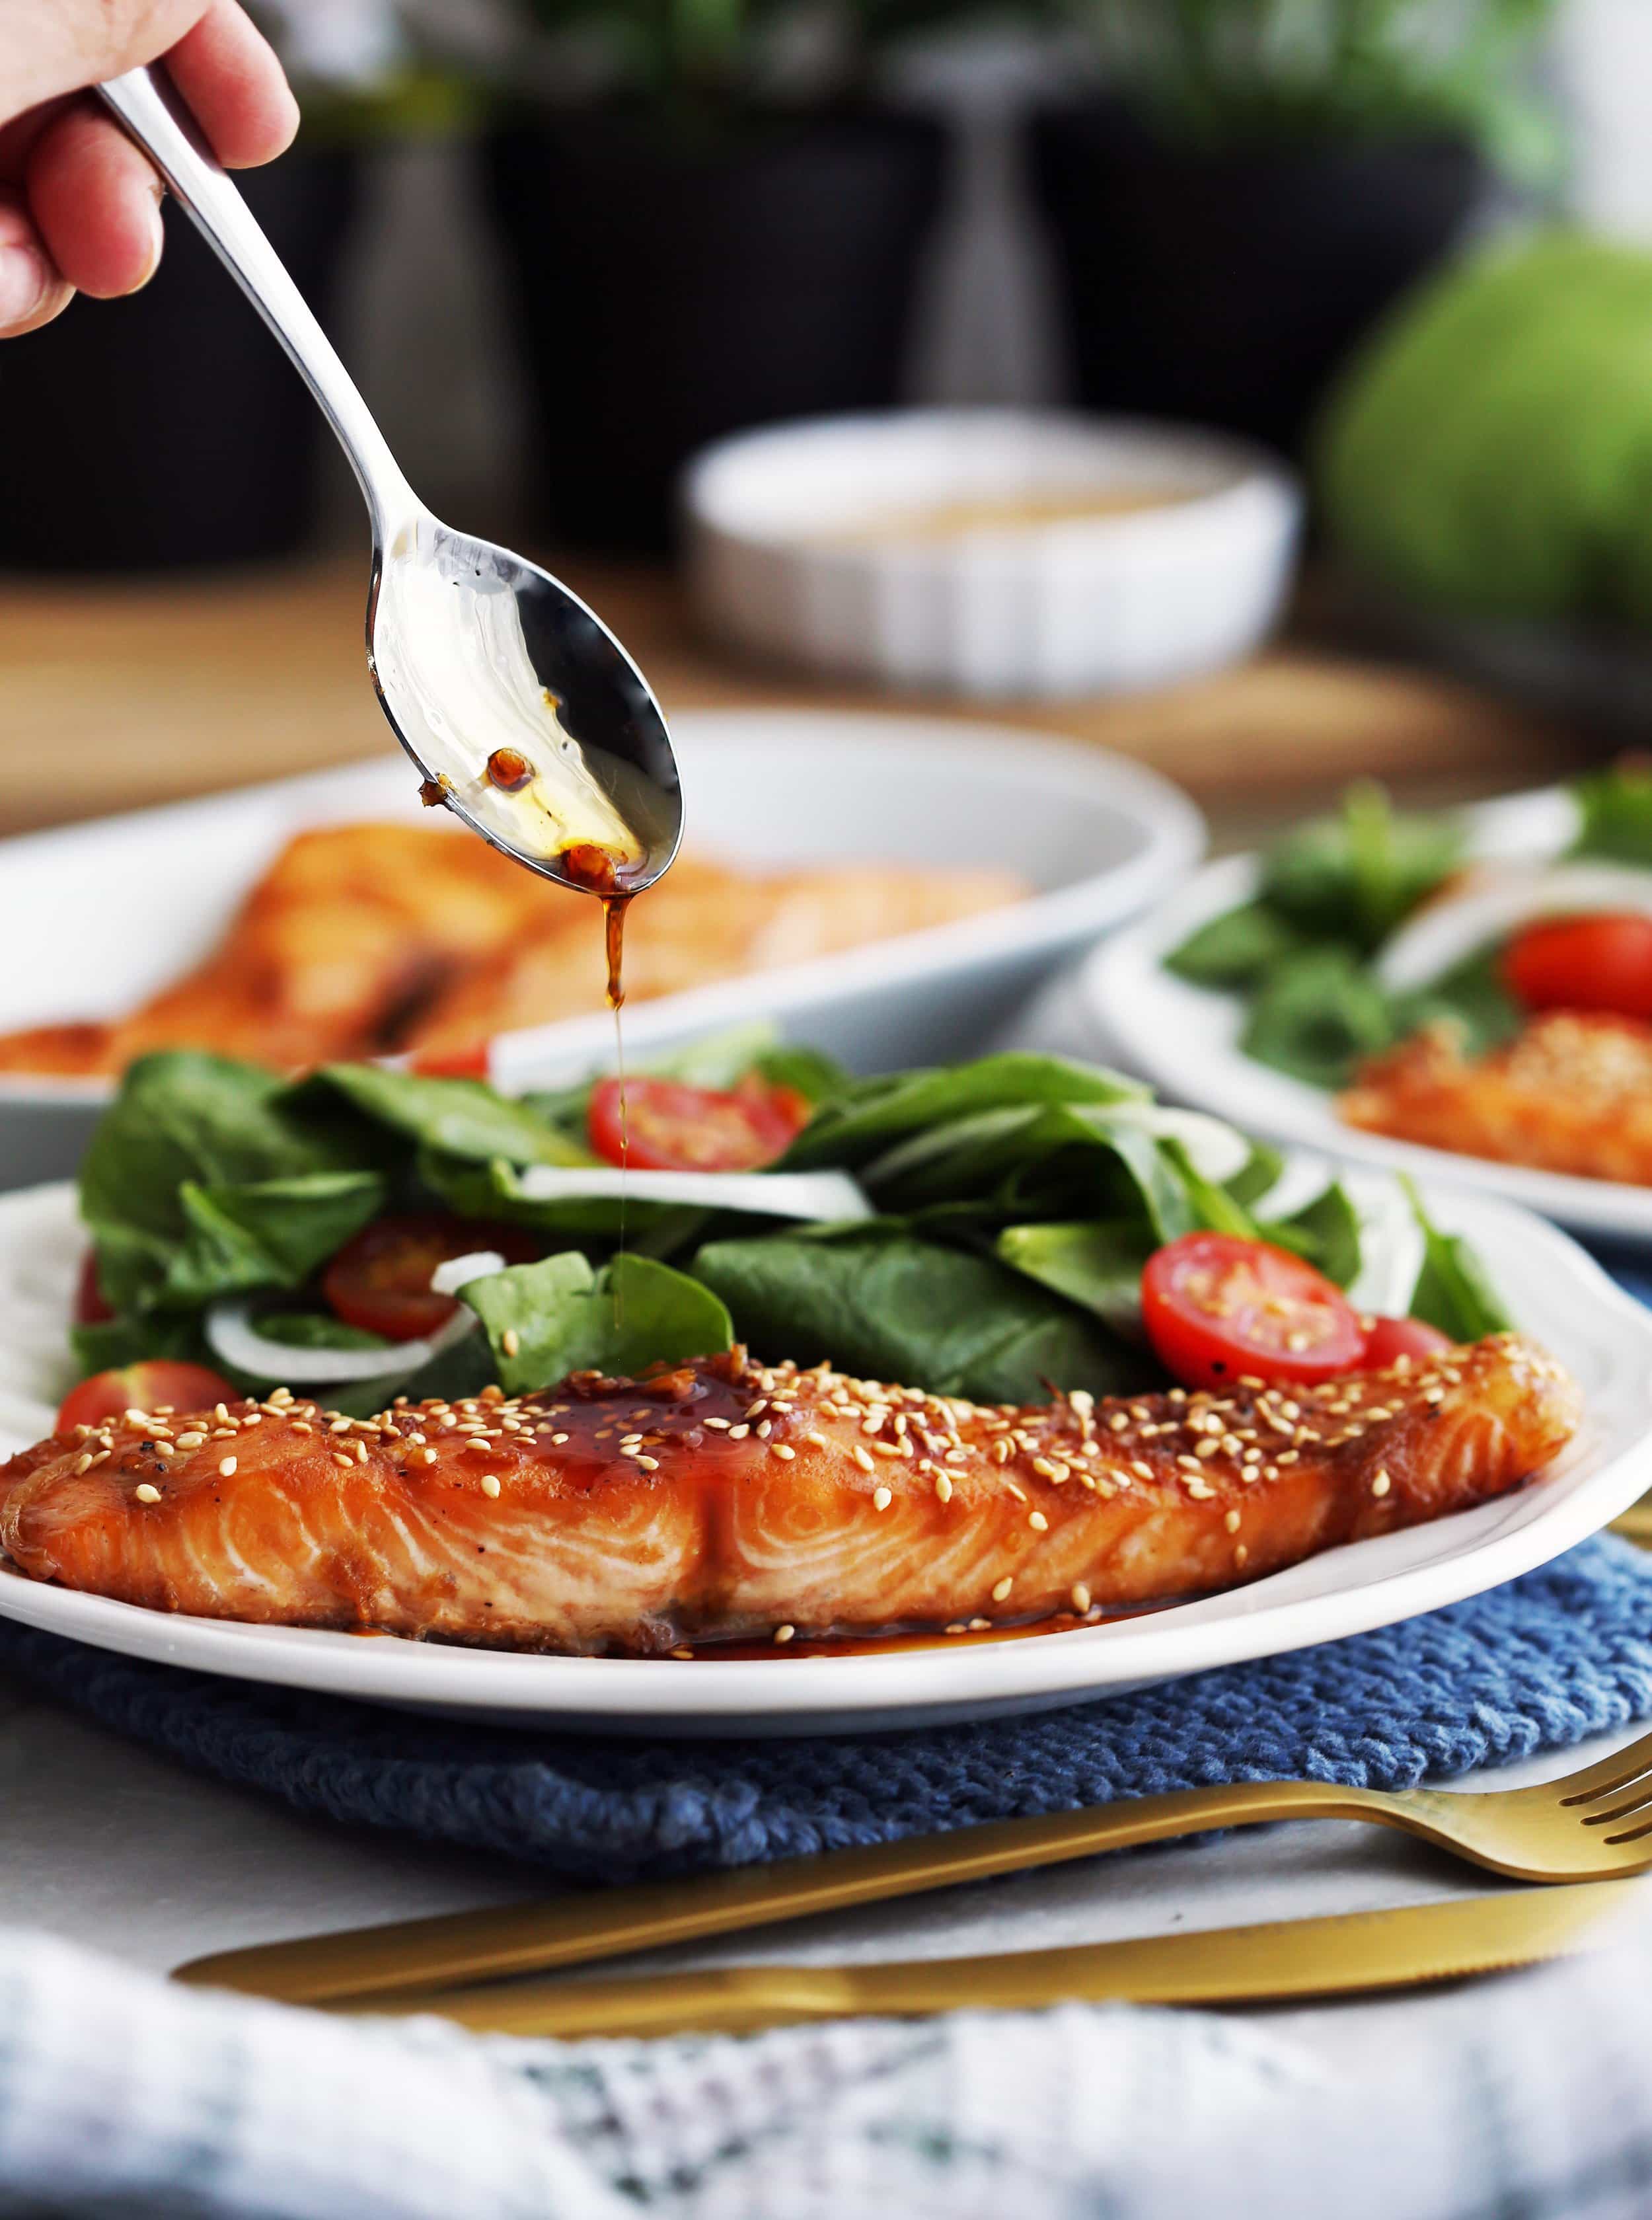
x: 1087, y: 604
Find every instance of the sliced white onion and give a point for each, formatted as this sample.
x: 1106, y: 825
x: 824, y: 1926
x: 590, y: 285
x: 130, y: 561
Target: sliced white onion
x: 1391, y: 1247
x: 1216, y: 1151
x: 230, y: 1331
x: 820, y: 1196
x: 1492, y: 903
x: 449, y: 1278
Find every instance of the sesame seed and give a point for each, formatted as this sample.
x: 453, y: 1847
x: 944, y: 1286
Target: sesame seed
x: 427, y: 1457
x: 1038, y: 1523
x: 1142, y: 1471
x: 720, y: 1424
x: 345, y: 1463
x: 1231, y: 1522
x: 1001, y: 1589
x: 227, y: 1467
x: 739, y: 1433
x: 1080, y: 1597
x: 785, y: 1633
x: 682, y: 1653
x: 146, y: 1493
x: 82, y: 1462
x: 648, y: 1464
x: 556, y: 1441
x: 191, y: 1441
x: 943, y: 1487
x: 1381, y: 1483
x: 511, y: 1341
x: 881, y: 1498
x: 784, y: 1450
x: 491, y: 1483
x: 864, y: 1459
x: 1239, y: 1555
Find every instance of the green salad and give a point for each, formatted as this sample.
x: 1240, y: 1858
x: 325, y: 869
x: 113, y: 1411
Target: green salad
x: 1334, y: 891
x: 979, y: 1229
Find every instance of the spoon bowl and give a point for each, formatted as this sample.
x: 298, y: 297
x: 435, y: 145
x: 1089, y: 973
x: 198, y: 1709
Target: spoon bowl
x: 522, y: 713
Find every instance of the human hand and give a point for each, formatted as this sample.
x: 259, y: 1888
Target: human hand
x: 79, y: 204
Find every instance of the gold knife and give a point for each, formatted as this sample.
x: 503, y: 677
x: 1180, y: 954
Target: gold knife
x: 1281, y: 1961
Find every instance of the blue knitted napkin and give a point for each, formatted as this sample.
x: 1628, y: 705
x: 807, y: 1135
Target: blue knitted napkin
x: 1543, y: 1663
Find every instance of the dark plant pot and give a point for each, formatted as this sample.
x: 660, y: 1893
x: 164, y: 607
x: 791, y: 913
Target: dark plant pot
x: 169, y: 429
x: 1228, y: 286
x: 666, y: 296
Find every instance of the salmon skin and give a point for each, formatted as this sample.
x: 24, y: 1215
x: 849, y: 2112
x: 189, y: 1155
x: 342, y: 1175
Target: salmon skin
x: 726, y: 1500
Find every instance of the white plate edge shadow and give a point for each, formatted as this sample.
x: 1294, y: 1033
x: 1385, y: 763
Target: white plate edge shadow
x: 1603, y: 1332
x: 1168, y: 830
x: 1184, y: 1038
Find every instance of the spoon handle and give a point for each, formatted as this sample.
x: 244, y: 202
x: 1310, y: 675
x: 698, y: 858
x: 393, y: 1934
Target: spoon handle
x: 150, y: 111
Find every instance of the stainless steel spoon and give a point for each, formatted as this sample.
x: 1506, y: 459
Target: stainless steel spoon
x: 521, y: 710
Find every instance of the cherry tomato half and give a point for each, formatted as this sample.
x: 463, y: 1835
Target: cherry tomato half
x: 662, y: 1126
x: 92, y: 1306
x: 160, y: 1382
x: 1584, y: 964
x: 380, y: 1280
x: 1217, y: 1307
x: 1391, y: 1338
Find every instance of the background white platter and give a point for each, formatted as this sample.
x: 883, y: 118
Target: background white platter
x: 1556, y: 1292
x: 1097, y: 836
x: 1186, y: 1039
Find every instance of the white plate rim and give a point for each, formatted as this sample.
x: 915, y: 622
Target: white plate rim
x: 1403, y: 1575
x: 1183, y: 1039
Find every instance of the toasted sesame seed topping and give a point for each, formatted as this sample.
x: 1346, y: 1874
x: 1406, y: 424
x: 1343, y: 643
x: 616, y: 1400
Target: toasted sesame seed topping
x: 864, y: 1458
x: 785, y: 1633
x: 1001, y: 1589
x: 146, y: 1494
x: 1231, y: 1522
x: 511, y: 1341
x: 1381, y: 1483
x: 227, y: 1467
x: 1080, y: 1597
x: 881, y: 1498
x: 1038, y: 1523
x: 491, y: 1483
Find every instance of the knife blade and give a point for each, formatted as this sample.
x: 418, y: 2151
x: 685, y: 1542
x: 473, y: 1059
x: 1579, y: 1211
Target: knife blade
x: 1276, y: 1961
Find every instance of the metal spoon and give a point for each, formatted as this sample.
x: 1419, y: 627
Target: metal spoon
x: 522, y: 712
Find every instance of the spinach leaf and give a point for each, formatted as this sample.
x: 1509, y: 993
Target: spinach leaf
x: 1236, y: 950
x: 892, y: 1308
x: 1615, y: 810
x: 563, y: 1318
x: 1097, y: 1265
x: 1471, y: 996
x: 1326, y: 1232
x: 1318, y: 1016
x: 1453, y: 1290
x: 871, y: 1115
x: 317, y: 1330
x: 267, y: 1233
x: 1354, y: 876
x: 461, y: 1117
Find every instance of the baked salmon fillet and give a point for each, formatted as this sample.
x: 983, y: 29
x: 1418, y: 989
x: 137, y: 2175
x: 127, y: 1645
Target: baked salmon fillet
x: 723, y: 1498
x: 1572, y: 1093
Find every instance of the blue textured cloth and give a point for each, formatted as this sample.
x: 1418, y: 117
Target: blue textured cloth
x: 1565, y: 1653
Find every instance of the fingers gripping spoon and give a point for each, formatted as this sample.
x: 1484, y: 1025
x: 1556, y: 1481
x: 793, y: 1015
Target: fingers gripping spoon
x: 521, y: 711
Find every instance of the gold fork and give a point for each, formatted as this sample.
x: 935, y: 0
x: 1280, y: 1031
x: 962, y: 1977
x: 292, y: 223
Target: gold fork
x: 1595, y: 1824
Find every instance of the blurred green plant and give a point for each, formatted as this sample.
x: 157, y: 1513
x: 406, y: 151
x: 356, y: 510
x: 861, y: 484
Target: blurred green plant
x: 703, y: 56
x: 1222, y: 72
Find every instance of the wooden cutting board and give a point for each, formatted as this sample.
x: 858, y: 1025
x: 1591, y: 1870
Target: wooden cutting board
x: 117, y: 694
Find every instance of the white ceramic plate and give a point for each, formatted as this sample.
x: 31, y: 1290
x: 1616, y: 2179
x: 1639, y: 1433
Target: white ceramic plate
x: 1185, y: 1039
x: 1557, y: 1292
x: 1098, y: 837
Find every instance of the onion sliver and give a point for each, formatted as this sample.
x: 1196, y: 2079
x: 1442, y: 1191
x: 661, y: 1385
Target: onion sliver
x: 819, y: 1197
x: 231, y: 1333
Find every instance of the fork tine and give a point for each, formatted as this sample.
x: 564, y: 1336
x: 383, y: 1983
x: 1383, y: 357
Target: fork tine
x: 1620, y: 1809
x: 1638, y: 1834
x: 1614, y: 1772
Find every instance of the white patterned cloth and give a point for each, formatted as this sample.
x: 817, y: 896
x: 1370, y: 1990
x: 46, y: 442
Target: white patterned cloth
x: 122, y: 2095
